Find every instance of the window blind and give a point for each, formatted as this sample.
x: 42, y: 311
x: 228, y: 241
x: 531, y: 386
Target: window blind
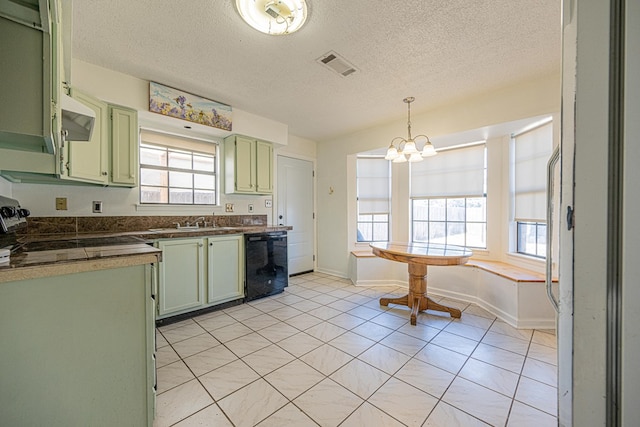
x: 532, y: 150
x: 373, y: 182
x: 452, y: 173
x: 177, y: 142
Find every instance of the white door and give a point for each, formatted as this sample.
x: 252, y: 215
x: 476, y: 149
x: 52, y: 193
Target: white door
x: 601, y: 106
x: 564, y: 328
x: 295, y: 208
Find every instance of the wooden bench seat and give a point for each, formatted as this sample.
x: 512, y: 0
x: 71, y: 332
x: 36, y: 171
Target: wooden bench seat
x: 508, y: 271
x: 514, y: 294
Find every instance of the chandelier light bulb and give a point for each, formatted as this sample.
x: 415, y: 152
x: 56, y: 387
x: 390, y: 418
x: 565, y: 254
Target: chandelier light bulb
x: 428, y: 150
x: 392, y: 153
x: 410, y: 147
x: 400, y: 159
x: 415, y: 157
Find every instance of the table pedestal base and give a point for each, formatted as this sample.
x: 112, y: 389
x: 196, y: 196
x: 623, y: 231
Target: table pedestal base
x: 417, y: 297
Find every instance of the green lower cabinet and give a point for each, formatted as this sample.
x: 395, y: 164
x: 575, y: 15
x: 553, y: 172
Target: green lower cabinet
x: 224, y: 269
x: 180, y: 276
x: 197, y: 273
x: 77, y: 349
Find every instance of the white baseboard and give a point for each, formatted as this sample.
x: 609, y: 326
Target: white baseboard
x: 336, y: 273
x: 382, y: 283
x: 520, y: 323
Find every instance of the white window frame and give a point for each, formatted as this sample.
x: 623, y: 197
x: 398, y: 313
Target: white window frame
x: 376, y: 215
x: 180, y: 144
x: 446, y: 222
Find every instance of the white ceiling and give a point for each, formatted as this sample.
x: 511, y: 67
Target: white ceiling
x: 437, y: 51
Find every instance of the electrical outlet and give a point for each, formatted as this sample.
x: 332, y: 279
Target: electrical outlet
x: 250, y: 208
x: 228, y: 207
x: 97, y: 206
x: 61, y: 203
x: 267, y: 203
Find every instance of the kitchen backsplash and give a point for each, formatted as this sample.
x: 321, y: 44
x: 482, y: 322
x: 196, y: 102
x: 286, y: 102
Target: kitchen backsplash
x: 120, y: 224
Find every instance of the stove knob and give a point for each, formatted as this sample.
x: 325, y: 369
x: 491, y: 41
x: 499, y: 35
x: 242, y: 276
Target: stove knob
x: 8, y: 211
x: 23, y: 213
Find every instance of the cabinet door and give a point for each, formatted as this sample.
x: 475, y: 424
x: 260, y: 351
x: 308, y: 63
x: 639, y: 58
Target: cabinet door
x: 124, y: 146
x: 180, y: 276
x: 245, y: 165
x: 26, y: 87
x: 225, y: 266
x: 87, y: 160
x: 264, y: 167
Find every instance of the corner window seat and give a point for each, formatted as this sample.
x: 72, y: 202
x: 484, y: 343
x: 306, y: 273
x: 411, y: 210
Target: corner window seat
x: 515, y: 295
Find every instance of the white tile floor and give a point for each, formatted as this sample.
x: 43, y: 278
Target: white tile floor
x: 326, y: 353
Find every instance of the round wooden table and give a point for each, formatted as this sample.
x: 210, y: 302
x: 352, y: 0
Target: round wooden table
x: 419, y: 256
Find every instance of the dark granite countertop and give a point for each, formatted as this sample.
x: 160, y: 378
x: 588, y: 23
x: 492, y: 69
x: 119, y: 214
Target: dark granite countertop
x: 38, y: 250
x: 144, y: 236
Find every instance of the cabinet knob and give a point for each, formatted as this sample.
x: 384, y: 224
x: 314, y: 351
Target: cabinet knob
x: 200, y: 244
x: 104, y: 174
x: 210, y: 244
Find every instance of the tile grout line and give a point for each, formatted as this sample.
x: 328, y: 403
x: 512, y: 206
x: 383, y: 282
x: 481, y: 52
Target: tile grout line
x: 328, y: 342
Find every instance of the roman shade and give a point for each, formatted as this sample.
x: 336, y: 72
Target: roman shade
x: 373, y: 182
x: 457, y: 172
x: 177, y: 142
x: 532, y: 150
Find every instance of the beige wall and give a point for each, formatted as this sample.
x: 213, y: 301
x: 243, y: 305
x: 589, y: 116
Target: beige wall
x: 132, y: 92
x: 475, y: 118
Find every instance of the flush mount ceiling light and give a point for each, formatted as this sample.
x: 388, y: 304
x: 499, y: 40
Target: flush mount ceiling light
x: 274, y: 17
x: 402, y: 150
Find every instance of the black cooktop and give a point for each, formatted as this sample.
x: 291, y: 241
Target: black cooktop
x: 89, y: 242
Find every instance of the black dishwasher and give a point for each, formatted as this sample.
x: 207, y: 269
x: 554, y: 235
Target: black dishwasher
x: 266, y: 271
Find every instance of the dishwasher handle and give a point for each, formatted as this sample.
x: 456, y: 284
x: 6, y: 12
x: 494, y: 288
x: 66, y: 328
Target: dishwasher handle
x: 264, y: 237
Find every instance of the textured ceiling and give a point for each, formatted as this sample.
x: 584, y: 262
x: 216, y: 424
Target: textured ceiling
x: 437, y: 51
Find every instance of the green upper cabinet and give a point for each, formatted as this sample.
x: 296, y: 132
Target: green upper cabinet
x: 88, y: 160
x: 30, y: 83
x: 248, y: 165
x: 124, y: 146
x: 264, y: 167
x: 111, y: 156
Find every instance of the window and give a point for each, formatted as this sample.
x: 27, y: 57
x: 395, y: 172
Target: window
x: 456, y: 221
x: 177, y: 170
x: 532, y: 238
x: 373, y: 179
x: 532, y: 150
x: 448, y: 197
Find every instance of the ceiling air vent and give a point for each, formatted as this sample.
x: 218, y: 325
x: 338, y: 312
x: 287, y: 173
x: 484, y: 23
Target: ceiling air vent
x: 335, y: 62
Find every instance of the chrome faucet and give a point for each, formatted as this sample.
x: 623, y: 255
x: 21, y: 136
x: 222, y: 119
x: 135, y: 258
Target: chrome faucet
x: 198, y: 220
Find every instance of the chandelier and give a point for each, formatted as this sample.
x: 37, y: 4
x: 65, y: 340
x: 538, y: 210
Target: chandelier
x: 273, y: 17
x: 402, y: 150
